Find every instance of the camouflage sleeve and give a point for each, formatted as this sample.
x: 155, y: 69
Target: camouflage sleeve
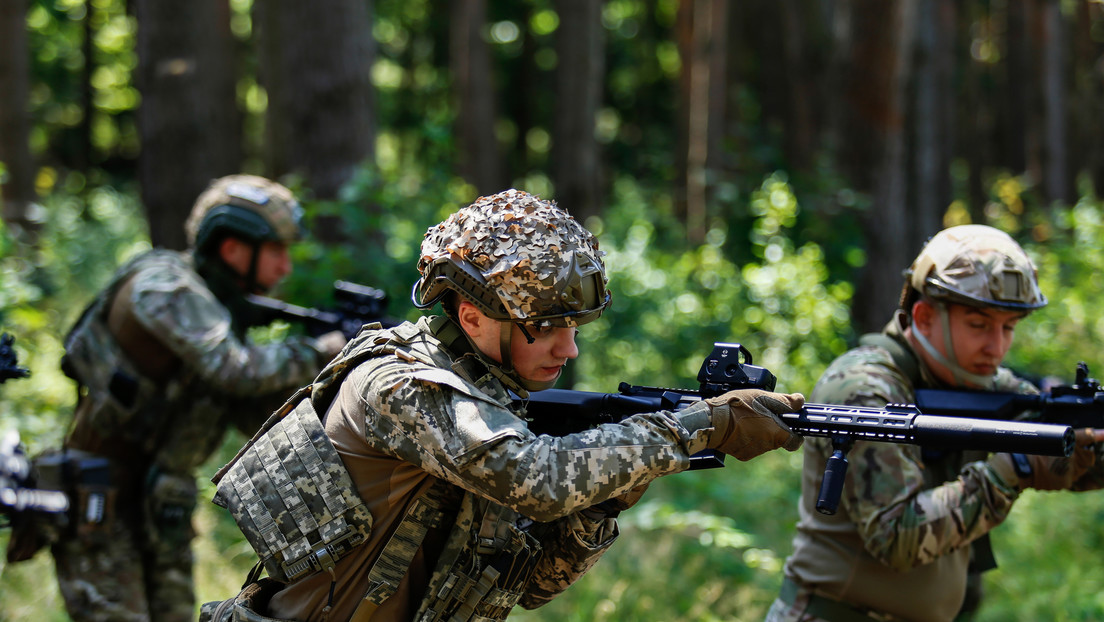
x: 178, y: 307
x: 905, y: 522
x: 573, y: 548
x: 430, y: 417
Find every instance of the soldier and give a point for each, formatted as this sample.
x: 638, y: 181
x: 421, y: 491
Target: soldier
x: 164, y: 367
x: 470, y: 512
x: 910, y: 538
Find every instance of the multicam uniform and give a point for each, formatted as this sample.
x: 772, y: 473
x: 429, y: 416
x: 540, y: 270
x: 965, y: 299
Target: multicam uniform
x: 900, y: 541
x: 421, y: 411
x: 910, y: 538
x: 164, y: 369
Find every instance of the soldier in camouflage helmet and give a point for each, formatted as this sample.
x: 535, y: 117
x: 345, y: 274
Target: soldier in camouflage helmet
x: 164, y: 367
x: 471, y: 512
x: 910, y: 538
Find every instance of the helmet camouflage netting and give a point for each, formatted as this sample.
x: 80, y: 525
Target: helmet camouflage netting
x: 518, y: 258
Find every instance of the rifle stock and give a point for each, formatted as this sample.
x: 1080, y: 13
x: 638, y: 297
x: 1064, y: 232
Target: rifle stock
x: 728, y: 367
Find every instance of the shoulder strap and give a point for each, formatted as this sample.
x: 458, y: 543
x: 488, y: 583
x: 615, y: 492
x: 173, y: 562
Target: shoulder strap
x: 425, y: 513
x: 155, y: 360
x: 902, y: 356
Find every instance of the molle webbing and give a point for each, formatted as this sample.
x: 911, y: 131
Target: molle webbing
x: 291, y: 496
x: 430, y: 510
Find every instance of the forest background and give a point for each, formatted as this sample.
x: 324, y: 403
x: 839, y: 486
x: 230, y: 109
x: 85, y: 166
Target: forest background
x: 757, y: 171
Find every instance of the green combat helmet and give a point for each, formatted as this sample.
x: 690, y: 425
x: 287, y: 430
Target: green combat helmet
x: 248, y: 207
x: 973, y: 265
x: 519, y: 259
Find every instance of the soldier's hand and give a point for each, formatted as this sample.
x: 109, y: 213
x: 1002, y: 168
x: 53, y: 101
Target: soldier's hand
x: 746, y: 422
x: 1048, y: 472
x: 331, y: 343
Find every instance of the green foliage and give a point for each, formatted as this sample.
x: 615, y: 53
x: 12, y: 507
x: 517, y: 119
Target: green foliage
x: 701, y: 546
x: 671, y: 304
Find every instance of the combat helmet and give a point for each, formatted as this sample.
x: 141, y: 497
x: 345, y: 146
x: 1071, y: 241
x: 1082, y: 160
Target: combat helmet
x: 519, y: 259
x: 974, y: 265
x: 247, y: 207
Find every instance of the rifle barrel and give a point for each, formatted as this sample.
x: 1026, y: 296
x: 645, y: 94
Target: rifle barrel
x: 906, y: 424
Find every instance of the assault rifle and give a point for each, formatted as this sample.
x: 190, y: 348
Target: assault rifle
x: 1079, y: 405
x: 729, y: 366
x: 355, y: 306
x: 17, y: 492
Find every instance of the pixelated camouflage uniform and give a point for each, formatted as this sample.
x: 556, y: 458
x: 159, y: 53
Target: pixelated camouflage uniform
x: 900, y: 545
x: 423, y: 409
x: 157, y: 413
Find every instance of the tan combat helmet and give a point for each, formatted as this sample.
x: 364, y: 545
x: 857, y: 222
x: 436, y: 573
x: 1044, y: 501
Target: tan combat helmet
x: 517, y: 258
x: 247, y: 207
x: 972, y: 265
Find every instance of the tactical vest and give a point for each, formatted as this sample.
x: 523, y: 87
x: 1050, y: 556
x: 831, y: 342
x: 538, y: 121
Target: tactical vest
x: 298, y: 507
x: 122, y: 370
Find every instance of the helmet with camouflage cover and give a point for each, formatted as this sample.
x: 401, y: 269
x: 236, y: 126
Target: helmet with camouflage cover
x: 518, y: 259
x: 974, y: 265
x: 247, y: 207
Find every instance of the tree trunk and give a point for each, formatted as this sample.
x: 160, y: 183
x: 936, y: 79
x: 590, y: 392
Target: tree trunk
x: 800, y: 69
x: 1017, y: 99
x: 479, y: 160
x: 1057, y: 182
x: 580, y: 50
x: 703, y: 41
x: 931, y: 124
x: 315, y: 66
x: 874, y: 155
x: 15, y: 120
x: 188, y: 122
x: 1089, y: 90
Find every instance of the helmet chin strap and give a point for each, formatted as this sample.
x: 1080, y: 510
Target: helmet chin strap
x: 961, y: 377
x: 505, y: 336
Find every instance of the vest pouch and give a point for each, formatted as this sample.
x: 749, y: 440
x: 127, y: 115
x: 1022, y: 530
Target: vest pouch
x: 293, y: 499
x: 167, y: 509
x: 245, y: 607
x: 86, y: 478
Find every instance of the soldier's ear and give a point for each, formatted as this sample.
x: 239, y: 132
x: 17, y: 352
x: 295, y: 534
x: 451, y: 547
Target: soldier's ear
x: 923, y: 315
x: 480, y: 329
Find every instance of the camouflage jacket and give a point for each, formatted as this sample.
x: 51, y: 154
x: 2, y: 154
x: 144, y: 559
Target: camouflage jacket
x: 900, y: 541
x: 421, y: 411
x: 163, y: 373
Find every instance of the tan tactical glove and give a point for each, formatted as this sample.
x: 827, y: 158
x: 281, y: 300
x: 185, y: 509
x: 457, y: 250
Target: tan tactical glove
x: 1047, y: 472
x: 746, y: 422
x: 331, y: 344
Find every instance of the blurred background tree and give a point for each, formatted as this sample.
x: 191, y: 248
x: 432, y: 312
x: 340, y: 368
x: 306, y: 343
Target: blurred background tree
x: 757, y: 172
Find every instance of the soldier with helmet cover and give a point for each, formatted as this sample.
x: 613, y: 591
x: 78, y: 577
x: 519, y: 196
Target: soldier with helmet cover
x: 164, y: 367
x: 466, y: 512
x: 910, y: 538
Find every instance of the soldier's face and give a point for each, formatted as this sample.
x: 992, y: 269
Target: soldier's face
x: 544, y: 359
x: 273, y: 261
x: 273, y: 264
x: 981, y: 337
x: 540, y: 361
